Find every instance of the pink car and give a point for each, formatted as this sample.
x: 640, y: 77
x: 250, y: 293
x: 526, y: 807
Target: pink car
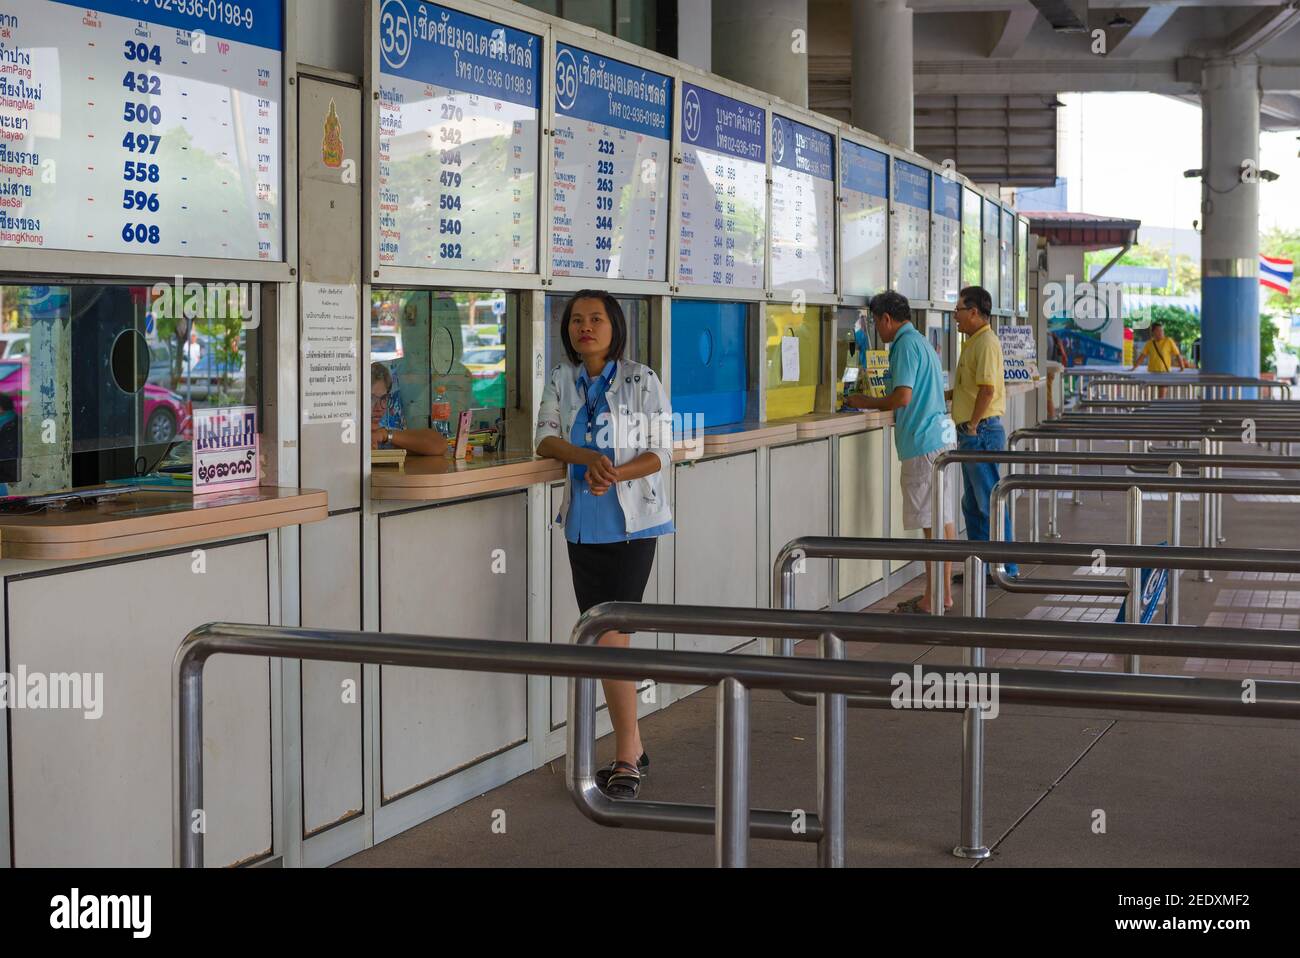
x: 167, y: 416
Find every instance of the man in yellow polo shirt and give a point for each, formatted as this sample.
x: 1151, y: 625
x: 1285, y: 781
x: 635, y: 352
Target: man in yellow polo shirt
x: 1160, y: 352
x: 979, y: 398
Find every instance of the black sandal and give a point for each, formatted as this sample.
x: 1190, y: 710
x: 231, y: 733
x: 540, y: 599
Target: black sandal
x: 624, y: 781
x: 603, y: 774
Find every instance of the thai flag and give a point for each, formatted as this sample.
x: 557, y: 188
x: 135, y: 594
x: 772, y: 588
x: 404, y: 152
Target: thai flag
x: 1276, y: 273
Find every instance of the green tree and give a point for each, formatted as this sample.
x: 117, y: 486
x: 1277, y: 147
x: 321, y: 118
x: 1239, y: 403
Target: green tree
x: 1184, y: 272
x: 1268, y: 333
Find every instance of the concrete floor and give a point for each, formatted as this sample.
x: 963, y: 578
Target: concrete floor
x: 1169, y: 790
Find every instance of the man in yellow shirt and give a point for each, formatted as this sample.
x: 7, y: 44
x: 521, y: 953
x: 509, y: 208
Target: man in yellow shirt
x: 979, y: 398
x: 1160, y: 352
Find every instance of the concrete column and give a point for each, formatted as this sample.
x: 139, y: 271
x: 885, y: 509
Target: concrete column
x: 695, y: 33
x: 882, y: 69
x: 1230, y: 100
x: 763, y: 44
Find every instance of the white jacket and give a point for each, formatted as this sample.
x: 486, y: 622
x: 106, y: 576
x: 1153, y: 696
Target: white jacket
x: 641, y: 421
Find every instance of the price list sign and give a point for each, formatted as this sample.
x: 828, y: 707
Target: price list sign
x: 142, y: 127
x: 991, y: 250
x: 864, y: 220
x: 459, y: 141
x: 610, y: 157
x: 803, y: 207
x: 945, y: 240
x: 909, y: 231
x: 722, y: 191
x: 1006, y: 284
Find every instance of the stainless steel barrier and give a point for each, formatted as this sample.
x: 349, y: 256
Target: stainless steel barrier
x: 1174, y: 461
x: 1148, y: 385
x: 1017, y: 633
x: 734, y: 674
x: 733, y: 821
x: 1173, y: 486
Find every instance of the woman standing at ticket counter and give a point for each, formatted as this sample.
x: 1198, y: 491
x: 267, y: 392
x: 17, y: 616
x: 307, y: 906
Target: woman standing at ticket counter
x: 609, y: 419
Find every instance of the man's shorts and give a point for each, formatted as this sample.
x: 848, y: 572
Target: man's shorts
x: 917, y: 480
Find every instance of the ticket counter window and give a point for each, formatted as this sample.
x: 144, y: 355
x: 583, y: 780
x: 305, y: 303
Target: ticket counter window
x: 635, y: 311
x: 855, y: 336
x: 99, y: 383
x: 710, y: 362
x: 446, y: 352
x: 938, y: 329
x: 793, y: 360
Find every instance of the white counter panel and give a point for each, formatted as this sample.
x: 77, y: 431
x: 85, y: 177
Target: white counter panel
x: 800, y: 503
x: 717, y: 540
x: 436, y: 577
x: 98, y: 792
x: 862, y: 504
x: 332, y: 774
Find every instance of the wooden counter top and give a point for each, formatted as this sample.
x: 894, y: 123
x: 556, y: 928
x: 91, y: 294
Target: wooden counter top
x: 748, y: 435
x: 154, y: 519
x: 435, y: 478
x: 819, y: 425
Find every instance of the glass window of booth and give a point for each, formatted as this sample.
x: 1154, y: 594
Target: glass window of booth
x: 446, y: 352
x: 991, y: 265
x: 971, y: 255
x: 1022, y: 267
x: 636, y: 311
x: 793, y: 360
x: 99, y: 382
x: 710, y: 362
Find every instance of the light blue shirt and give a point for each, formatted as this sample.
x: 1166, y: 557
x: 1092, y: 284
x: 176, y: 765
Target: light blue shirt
x: 919, y: 426
x: 597, y: 518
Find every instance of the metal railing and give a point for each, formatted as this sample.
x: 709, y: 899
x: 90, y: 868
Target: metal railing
x: 1174, y: 486
x: 735, y: 675
x: 976, y: 633
x: 1184, y: 384
x: 733, y: 822
x: 1175, y: 461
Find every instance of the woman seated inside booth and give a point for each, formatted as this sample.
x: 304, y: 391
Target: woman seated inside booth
x: 388, y: 419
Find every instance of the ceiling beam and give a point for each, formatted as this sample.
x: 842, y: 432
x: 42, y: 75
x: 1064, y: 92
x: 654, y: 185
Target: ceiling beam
x: 1264, y: 27
x: 1016, y: 25
x: 1147, y: 26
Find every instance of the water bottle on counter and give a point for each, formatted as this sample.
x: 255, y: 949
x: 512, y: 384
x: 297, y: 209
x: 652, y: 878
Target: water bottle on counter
x: 440, y: 412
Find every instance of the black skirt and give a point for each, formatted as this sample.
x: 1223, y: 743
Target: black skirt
x: 610, y: 571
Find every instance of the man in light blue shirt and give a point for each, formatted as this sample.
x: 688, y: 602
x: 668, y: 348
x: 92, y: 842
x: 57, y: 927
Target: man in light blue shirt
x: 922, y: 427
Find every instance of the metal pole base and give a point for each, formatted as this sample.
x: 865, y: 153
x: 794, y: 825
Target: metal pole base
x: 1052, y: 535
x: 980, y: 852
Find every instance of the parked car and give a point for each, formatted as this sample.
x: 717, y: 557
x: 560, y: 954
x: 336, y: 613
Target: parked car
x: 487, y: 362
x: 14, y: 382
x: 14, y: 344
x: 165, y: 415
x: 207, y: 379
x: 385, y: 347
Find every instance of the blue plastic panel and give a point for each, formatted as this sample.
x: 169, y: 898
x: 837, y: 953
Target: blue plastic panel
x: 709, y: 361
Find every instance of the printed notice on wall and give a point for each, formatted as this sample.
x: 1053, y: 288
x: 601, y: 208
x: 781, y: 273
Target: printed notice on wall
x: 225, y: 449
x: 329, y: 353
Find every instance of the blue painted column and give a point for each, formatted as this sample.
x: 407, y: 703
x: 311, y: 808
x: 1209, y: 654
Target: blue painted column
x: 1230, y: 100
